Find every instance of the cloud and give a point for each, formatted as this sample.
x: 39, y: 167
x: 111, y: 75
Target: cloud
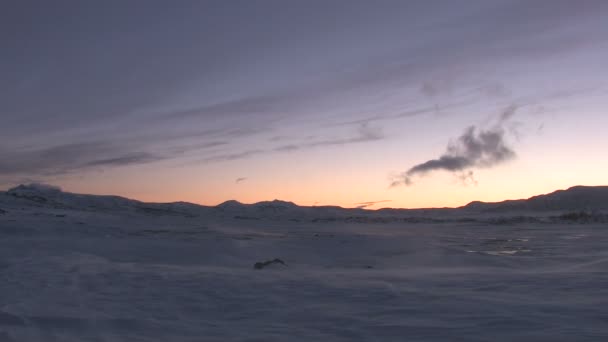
x: 63, y: 159
x: 507, y: 114
x: 232, y: 156
x: 475, y: 148
x: 265, y: 105
x: 240, y: 179
x: 365, y: 133
x: 407, y: 113
x: 288, y: 148
x: 467, y: 177
x: 496, y: 90
x: 436, y: 87
x: 540, y: 128
x: 364, y: 205
x: 133, y: 158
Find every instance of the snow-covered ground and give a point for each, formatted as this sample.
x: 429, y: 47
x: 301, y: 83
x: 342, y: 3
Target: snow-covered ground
x: 116, y: 271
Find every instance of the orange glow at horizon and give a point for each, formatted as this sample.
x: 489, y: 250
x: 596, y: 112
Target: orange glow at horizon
x: 440, y: 190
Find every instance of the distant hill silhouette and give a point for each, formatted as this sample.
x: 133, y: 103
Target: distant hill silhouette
x: 578, y: 198
x: 574, y: 198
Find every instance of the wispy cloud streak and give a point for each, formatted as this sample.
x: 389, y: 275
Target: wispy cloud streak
x: 364, y: 205
x: 67, y: 158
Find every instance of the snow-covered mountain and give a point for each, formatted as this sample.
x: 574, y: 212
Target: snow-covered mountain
x: 42, y: 195
x: 577, y: 198
x: 49, y: 196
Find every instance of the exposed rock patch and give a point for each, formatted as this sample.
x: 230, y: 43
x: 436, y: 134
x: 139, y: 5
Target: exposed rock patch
x: 263, y: 264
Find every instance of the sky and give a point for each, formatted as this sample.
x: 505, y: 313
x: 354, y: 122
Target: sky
x: 372, y: 104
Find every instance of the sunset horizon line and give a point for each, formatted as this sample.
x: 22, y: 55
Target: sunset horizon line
x: 361, y: 205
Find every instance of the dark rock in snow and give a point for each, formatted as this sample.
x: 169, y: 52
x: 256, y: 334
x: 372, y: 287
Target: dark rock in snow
x: 261, y: 265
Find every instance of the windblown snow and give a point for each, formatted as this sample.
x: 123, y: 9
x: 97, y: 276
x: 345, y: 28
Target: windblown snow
x: 103, y: 268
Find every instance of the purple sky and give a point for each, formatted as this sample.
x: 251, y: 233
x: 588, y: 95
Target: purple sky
x: 326, y: 102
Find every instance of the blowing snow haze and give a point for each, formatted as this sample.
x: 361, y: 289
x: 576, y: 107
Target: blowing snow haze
x: 80, y: 267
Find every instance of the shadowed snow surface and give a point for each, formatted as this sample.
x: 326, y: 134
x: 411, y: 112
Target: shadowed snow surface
x: 97, y: 273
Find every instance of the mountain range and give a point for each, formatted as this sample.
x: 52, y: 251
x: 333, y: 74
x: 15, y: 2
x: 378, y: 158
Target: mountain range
x: 578, y: 198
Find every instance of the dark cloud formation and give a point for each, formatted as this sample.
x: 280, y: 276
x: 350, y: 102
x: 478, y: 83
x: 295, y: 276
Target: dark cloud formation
x: 475, y: 148
x: 240, y: 180
x: 67, y: 158
x: 39, y: 162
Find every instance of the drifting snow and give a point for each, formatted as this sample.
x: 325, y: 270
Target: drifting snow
x: 103, y: 268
